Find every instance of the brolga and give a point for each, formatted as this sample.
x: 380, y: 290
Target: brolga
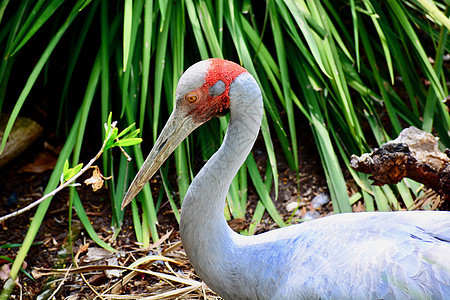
x: 390, y: 255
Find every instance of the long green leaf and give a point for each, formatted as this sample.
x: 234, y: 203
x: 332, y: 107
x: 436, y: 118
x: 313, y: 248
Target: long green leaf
x: 87, y: 224
x: 34, y: 75
x: 262, y: 192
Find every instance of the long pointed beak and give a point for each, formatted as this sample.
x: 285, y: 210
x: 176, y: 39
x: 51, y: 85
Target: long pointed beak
x: 177, y: 128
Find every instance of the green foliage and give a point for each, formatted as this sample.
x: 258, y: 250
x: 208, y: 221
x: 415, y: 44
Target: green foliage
x: 116, y: 139
x: 68, y: 173
x: 356, y: 71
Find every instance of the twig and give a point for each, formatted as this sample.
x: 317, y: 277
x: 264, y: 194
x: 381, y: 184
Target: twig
x: 111, y: 130
x: 58, y: 189
x: 60, y: 285
x: 81, y: 274
x: 125, y: 153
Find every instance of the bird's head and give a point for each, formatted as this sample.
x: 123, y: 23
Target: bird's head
x: 202, y: 93
x: 203, y: 90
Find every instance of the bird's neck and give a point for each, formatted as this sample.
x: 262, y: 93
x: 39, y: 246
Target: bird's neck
x: 209, y: 242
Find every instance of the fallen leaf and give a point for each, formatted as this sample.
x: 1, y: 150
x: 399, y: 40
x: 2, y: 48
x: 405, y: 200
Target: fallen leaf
x: 101, y: 256
x: 45, y: 161
x: 113, y: 261
x: 95, y: 254
x: 4, y: 272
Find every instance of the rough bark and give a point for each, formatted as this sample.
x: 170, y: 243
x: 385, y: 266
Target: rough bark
x: 414, y: 154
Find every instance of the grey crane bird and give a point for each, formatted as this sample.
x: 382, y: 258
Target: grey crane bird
x: 393, y: 255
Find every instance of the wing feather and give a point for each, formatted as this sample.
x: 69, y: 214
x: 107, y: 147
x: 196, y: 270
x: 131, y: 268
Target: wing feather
x: 378, y: 255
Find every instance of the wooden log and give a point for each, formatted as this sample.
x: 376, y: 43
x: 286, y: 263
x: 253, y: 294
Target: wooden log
x: 413, y: 154
x: 24, y: 132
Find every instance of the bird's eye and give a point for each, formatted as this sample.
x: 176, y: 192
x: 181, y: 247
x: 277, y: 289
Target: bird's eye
x: 191, y: 97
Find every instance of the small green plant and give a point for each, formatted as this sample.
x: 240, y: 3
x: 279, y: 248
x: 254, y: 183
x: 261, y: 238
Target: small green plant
x: 69, y: 175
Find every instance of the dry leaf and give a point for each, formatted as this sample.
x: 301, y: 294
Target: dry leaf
x: 113, y: 261
x: 96, y: 180
x: 45, y: 161
x: 4, y: 272
x: 101, y: 256
x: 95, y: 255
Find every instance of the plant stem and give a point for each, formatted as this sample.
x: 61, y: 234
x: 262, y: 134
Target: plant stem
x: 58, y: 189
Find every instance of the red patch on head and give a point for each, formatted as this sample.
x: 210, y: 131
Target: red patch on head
x: 209, y: 106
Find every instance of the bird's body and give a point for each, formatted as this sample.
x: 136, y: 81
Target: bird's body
x: 345, y: 256
x: 361, y: 256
